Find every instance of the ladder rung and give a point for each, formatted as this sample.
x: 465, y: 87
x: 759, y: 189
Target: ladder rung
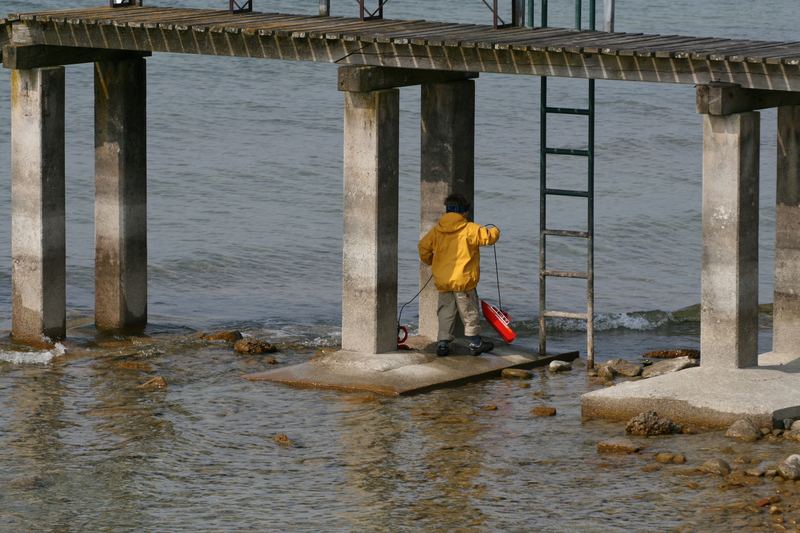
x: 565, y: 274
x: 567, y: 151
x: 565, y: 314
x: 566, y: 233
x: 567, y: 192
x: 567, y: 111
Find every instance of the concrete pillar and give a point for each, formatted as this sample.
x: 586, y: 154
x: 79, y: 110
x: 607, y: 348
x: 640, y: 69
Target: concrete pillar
x: 120, y: 195
x: 37, y: 204
x: 447, y: 167
x: 786, y: 317
x: 371, y: 154
x: 729, y: 315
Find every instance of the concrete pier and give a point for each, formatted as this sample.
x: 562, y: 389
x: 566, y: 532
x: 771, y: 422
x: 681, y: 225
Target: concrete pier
x: 729, y: 296
x: 786, y: 311
x: 120, y: 195
x: 369, y: 268
x: 447, y: 167
x: 37, y: 204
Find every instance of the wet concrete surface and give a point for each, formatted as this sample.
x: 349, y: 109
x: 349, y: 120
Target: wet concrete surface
x: 405, y: 372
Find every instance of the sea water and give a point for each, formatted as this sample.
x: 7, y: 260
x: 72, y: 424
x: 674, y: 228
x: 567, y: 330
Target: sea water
x: 244, y: 225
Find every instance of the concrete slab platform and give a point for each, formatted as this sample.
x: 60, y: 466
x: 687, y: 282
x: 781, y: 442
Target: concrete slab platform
x: 404, y: 372
x: 706, y: 397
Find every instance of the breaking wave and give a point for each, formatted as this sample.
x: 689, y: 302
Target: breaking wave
x: 33, y: 358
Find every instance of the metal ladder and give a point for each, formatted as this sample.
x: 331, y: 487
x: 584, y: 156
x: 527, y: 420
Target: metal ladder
x: 545, y: 192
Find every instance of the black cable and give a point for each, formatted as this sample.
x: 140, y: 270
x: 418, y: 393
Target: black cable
x: 496, y: 271
x: 400, y: 315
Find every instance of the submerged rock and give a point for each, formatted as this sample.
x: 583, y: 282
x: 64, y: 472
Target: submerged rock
x: 670, y: 365
x: 141, y: 366
x: 759, y: 470
x: 618, y: 445
x: 516, y: 373
x: 664, y: 457
x: 227, y: 336
x: 543, y: 410
x: 605, y: 373
x: 673, y: 354
x: 154, y: 383
x: 792, y: 434
x: 254, y: 346
x: 716, y: 466
x: 745, y: 430
x: 649, y: 424
x: 283, y: 440
x: 624, y: 368
x: 790, y: 468
x: 559, y: 366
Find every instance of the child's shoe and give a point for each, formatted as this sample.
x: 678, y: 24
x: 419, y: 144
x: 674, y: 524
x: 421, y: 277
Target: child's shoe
x: 481, y: 346
x: 443, y: 348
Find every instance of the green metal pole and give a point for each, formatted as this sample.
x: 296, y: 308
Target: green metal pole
x: 529, y: 15
x: 544, y: 13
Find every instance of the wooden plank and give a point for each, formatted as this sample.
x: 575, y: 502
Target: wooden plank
x: 332, y: 31
x: 679, y: 50
x: 170, y: 19
x: 419, y: 32
x: 544, y: 42
x: 372, y: 29
x: 536, y: 63
x: 404, y: 34
x: 593, y: 42
x: 742, y: 54
x: 525, y: 38
x: 631, y: 48
x: 386, y: 32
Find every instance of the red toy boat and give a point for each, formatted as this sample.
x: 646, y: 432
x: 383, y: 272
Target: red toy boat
x: 500, y: 321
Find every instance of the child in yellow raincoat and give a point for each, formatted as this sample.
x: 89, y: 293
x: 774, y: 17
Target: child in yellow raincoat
x: 452, y: 250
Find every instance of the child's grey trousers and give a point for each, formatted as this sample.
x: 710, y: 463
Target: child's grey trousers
x: 453, y: 304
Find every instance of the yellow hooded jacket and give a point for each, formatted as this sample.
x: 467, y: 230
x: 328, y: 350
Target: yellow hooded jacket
x: 451, y: 248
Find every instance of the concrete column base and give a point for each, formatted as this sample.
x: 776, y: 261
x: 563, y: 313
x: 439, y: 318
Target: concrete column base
x: 786, y: 311
x: 38, y: 246
x: 120, y: 195
x: 447, y: 167
x: 729, y: 299
x: 369, y: 267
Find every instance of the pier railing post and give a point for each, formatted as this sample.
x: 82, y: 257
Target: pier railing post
x: 729, y: 300
x: 371, y: 154
x: 447, y: 166
x: 786, y: 312
x: 38, y: 247
x: 120, y: 195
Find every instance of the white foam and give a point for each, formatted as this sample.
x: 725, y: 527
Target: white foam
x: 637, y: 321
x: 33, y: 358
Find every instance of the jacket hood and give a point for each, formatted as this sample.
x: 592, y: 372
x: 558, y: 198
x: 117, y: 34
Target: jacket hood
x: 451, y: 222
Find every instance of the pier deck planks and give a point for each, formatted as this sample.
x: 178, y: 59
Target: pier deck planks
x: 419, y: 44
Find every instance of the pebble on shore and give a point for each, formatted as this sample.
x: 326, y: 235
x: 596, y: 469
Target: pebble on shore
x: 624, y: 368
x: 618, y: 445
x: 516, y: 373
x: 154, y: 383
x: 543, y: 410
x: 227, y: 336
x: 716, y: 466
x: 254, y: 346
x: 649, y: 424
x: 745, y: 430
x: 559, y: 366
